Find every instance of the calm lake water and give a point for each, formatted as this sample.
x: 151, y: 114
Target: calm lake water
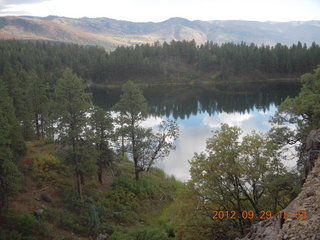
x: 199, y: 110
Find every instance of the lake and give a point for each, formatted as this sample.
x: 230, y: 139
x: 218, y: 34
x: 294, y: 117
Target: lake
x: 201, y: 109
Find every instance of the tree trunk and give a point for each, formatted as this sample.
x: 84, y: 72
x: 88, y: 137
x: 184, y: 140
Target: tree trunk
x: 77, y: 169
x: 82, y: 179
x: 79, y: 187
x: 37, y: 125
x: 241, y: 219
x: 1, y: 213
x: 100, y: 172
x: 136, y: 169
x: 42, y: 125
x: 122, y: 146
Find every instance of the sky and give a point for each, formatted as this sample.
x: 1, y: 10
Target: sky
x: 160, y: 10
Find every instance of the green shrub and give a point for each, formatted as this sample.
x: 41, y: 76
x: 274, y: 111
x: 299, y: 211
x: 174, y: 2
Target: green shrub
x: 70, y: 198
x: 27, y: 226
x: 149, y: 233
x: 141, y: 233
x: 145, y: 187
x: 120, y: 204
x: 120, y: 236
x: 47, y: 167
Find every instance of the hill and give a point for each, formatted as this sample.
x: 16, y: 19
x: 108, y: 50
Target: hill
x: 111, y: 33
x: 120, y: 208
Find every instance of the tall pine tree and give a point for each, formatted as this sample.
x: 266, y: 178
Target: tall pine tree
x: 73, y: 104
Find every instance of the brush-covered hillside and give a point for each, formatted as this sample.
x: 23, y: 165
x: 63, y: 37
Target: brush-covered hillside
x: 47, y: 204
x: 111, y: 33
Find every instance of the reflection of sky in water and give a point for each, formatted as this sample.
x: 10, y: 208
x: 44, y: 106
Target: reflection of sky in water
x: 197, y: 128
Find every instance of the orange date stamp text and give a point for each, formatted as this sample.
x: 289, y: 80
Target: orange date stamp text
x: 261, y: 215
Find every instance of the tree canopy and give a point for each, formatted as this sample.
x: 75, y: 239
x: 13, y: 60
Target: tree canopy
x: 235, y: 173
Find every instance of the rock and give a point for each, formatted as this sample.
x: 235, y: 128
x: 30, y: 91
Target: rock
x: 38, y: 212
x: 102, y: 236
x: 295, y: 228
x: 45, y: 197
x: 44, y: 207
x: 310, y: 194
x: 312, y: 149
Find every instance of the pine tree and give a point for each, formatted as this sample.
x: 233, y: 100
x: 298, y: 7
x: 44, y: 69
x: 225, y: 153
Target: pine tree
x: 145, y: 146
x: 16, y: 142
x: 133, y: 109
x: 40, y: 101
x: 73, y: 104
x: 11, y: 144
x: 102, y: 127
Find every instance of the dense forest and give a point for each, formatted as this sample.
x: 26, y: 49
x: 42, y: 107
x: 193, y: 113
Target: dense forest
x: 72, y: 170
x: 177, y: 60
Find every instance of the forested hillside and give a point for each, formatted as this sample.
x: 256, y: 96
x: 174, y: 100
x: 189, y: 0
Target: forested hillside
x: 65, y: 171
x: 174, y: 62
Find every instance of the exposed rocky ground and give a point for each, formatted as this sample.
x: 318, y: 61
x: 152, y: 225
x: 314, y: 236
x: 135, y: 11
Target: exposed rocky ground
x: 302, y: 219
x: 296, y: 225
x: 309, y: 200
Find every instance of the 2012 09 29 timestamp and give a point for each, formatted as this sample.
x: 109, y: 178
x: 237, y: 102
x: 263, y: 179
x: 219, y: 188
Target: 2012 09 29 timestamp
x: 241, y: 215
x: 261, y: 215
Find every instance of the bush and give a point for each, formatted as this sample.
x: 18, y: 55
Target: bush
x: 143, y: 188
x: 120, y: 236
x: 149, y: 233
x: 27, y: 226
x: 70, y: 198
x: 120, y: 204
x: 47, y: 167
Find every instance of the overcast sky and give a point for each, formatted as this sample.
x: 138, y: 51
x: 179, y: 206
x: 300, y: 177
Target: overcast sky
x: 160, y: 10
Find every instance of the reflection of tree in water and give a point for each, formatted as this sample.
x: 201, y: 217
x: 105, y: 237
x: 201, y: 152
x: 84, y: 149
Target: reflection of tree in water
x: 183, y: 101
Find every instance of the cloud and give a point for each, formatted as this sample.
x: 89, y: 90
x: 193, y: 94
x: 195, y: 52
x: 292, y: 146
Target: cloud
x: 233, y: 119
x: 16, y: 7
x: 191, y: 140
x: 151, y: 122
x: 19, y: 2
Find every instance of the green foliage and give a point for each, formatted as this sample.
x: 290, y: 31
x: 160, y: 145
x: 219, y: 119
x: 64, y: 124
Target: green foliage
x: 27, y: 227
x: 146, y: 187
x: 132, y: 102
x: 13, y: 133
x: 144, y: 146
x: 9, y: 173
x: 117, y: 235
x: 102, y: 127
x: 70, y: 197
x: 73, y: 104
x: 141, y: 233
x: 133, y: 109
x: 149, y: 233
x: 9, y: 176
x: 149, y: 61
x: 47, y: 167
x: 122, y: 203
x: 234, y: 175
x: 303, y: 111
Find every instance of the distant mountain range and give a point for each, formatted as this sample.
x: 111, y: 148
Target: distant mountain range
x: 111, y: 33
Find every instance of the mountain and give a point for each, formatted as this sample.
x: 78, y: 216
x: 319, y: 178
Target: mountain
x: 111, y: 33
